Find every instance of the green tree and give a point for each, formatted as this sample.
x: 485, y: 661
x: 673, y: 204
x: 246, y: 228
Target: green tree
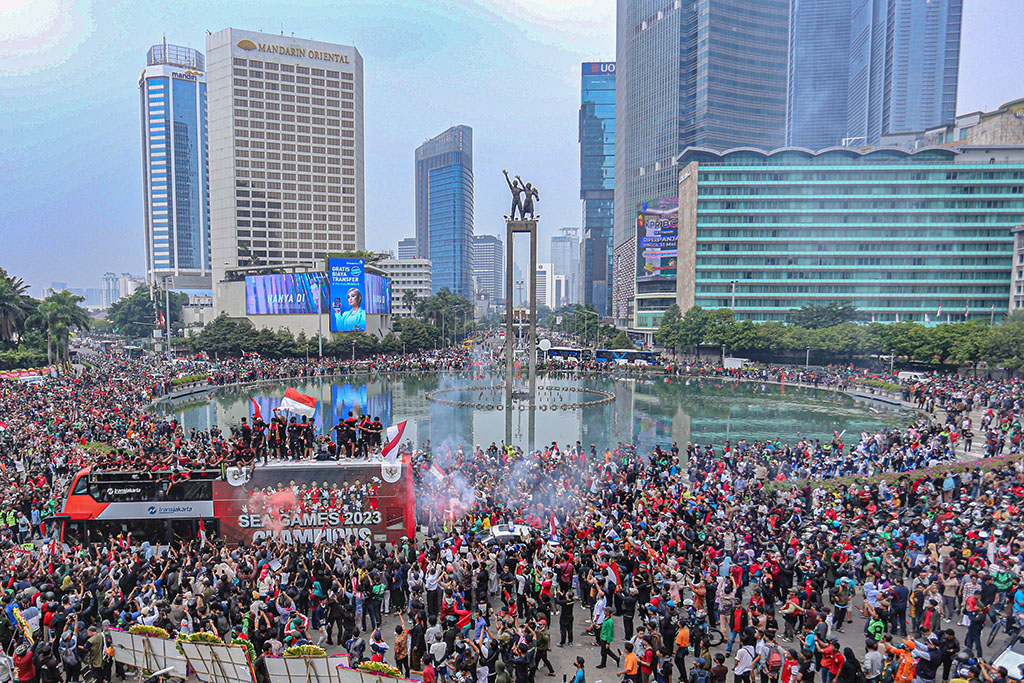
x: 1005, y: 345
x: 16, y: 306
x: 817, y: 316
x: 136, y: 315
x: 971, y: 344
x: 58, y: 315
x: 224, y: 336
x: 415, y: 334
x: 669, y: 333
x: 409, y: 299
x: 620, y: 340
x: 450, y: 313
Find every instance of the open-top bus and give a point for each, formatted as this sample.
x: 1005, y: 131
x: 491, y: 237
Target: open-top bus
x: 305, y: 501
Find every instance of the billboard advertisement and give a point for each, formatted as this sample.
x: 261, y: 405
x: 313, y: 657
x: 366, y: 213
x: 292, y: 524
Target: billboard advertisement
x: 285, y: 294
x: 378, y: 294
x: 347, y: 277
x: 657, y: 240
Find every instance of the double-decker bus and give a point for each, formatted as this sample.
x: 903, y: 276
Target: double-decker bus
x: 308, y: 502
x: 622, y: 356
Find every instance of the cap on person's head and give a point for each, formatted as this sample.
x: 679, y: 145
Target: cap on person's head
x: 579, y: 662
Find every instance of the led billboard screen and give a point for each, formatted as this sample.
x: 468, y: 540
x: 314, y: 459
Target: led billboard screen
x: 378, y: 294
x: 347, y: 278
x: 285, y: 294
x: 657, y: 240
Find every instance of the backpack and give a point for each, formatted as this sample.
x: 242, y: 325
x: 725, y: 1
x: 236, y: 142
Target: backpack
x: 68, y: 656
x: 699, y: 675
x: 774, y: 661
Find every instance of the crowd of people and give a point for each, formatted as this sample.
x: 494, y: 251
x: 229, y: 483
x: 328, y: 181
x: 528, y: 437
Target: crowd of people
x: 686, y: 563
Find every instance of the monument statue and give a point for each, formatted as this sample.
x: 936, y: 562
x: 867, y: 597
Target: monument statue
x: 523, y: 195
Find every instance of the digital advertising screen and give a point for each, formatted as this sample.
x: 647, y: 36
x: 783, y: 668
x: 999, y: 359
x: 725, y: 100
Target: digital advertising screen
x: 378, y: 294
x: 285, y: 294
x: 657, y: 240
x: 347, y: 277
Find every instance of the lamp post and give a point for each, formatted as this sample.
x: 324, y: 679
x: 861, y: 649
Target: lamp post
x: 807, y: 358
x: 732, y: 298
x: 167, y: 314
x: 892, y: 360
x: 353, y: 350
x: 319, y: 315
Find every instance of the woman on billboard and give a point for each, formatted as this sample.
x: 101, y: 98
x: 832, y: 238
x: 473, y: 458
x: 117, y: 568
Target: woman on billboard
x: 352, y: 319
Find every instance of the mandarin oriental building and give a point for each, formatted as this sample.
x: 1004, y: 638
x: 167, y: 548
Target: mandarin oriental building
x: 286, y: 149
x: 923, y: 237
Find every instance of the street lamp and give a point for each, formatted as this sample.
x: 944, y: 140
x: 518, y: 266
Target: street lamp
x: 807, y: 358
x: 892, y: 359
x: 319, y: 317
x: 353, y: 350
x: 732, y: 299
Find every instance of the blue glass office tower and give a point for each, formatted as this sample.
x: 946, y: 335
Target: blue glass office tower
x: 444, y: 209
x: 728, y: 90
x: 860, y: 69
x: 172, y: 97
x: 597, y: 182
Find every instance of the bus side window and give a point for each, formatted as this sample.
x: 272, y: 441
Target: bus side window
x: 395, y: 518
x: 81, y: 486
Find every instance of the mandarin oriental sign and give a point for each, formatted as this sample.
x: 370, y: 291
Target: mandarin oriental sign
x: 247, y: 44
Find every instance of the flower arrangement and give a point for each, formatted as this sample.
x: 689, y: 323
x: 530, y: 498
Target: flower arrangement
x: 145, y: 630
x: 305, y: 651
x: 200, y: 637
x: 380, y: 668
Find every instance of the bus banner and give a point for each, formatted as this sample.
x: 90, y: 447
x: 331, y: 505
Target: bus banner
x: 312, y: 504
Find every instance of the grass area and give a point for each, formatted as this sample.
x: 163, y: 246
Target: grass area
x: 98, y: 447
x: 880, y: 384
x: 190, y: 379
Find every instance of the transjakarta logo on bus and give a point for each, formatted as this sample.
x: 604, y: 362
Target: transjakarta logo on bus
x: 171, y: 509
x: 306, y: 527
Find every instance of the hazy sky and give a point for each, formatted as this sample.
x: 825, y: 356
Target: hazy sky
x: 70, y: 160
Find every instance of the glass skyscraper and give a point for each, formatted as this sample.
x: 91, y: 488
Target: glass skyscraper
x: 860, y: 69
x: 444, y: 208
x: 172, y: 97
x: 923, y: 237
x: 597, y: 182
x: 729, y: 90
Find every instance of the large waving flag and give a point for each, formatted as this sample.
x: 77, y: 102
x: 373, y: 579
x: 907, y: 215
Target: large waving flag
x: 294, y: 402
x: 256, y: 415
x: 394, y: 437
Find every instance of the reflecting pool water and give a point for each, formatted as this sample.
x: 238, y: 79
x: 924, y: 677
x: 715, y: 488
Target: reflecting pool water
x: 645, y: 410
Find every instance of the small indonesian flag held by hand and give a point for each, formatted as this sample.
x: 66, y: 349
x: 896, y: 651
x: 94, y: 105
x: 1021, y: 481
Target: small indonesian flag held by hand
x: 394, y: 437
x: 294, y: 402
x: 3, y: 425
x: 256, y: 414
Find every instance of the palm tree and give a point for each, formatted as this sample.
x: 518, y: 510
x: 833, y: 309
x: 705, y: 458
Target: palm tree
x: 409, y: 299
x: 15, y: 306
x: 58, y: 315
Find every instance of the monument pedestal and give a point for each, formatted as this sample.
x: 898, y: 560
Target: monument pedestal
x: 512, y: 228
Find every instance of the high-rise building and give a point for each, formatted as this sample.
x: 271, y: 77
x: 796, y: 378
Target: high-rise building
x: 728, y: 90
x: 407, y: 248
x: 861, y: 69
x: 597, y: 183
x: 175, y: 182
x: 286, y: 149
x: 444, y: 208
x: 565, y: 261
x: 545, y: 291
x: 924, y: 237
x: 111, y: 290
x: 489, y: 266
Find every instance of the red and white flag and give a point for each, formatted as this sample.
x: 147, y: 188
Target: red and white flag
x: 202, y: 533
x: 3, y: 426
x: 436, y: 470
x: 256, y: 414
x: 394, y: 437
x: 938, y: 313
x: 927, y: 318
x: 967, y: 309
x: 552, y: 527
x: 294, y: 402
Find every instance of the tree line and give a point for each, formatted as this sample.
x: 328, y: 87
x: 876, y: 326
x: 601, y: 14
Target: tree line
x: 34, y: 332
x: 832, y: 331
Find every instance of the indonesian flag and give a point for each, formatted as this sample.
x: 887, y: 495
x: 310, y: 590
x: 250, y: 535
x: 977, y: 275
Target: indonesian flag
x: 3, y: 426
x: 927, y: 318
x: 394, y: 437
x: 552, y: 527
x: 256, y: 414
x: 436, y: 470
x: 967, y: 309
x: 202, y: 533
x: 294, y: 402
x: 938, y: 313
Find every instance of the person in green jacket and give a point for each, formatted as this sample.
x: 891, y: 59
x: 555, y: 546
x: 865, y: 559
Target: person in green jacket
x: 606, y: 637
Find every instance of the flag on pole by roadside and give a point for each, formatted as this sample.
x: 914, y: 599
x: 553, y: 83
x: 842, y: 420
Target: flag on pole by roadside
x: 938, y: 313
x: 927, y: 318
x: 967, y: 309
x: 256, y: 414
x: 393, y: 437
x: 294, y: 402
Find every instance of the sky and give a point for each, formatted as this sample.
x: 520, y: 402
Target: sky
x: 70, y: 157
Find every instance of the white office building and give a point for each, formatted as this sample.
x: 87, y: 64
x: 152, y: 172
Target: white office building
x: 407, y: 275
x: 285, y: 128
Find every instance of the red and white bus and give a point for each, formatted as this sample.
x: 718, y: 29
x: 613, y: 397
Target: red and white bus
x: 309, y: 502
